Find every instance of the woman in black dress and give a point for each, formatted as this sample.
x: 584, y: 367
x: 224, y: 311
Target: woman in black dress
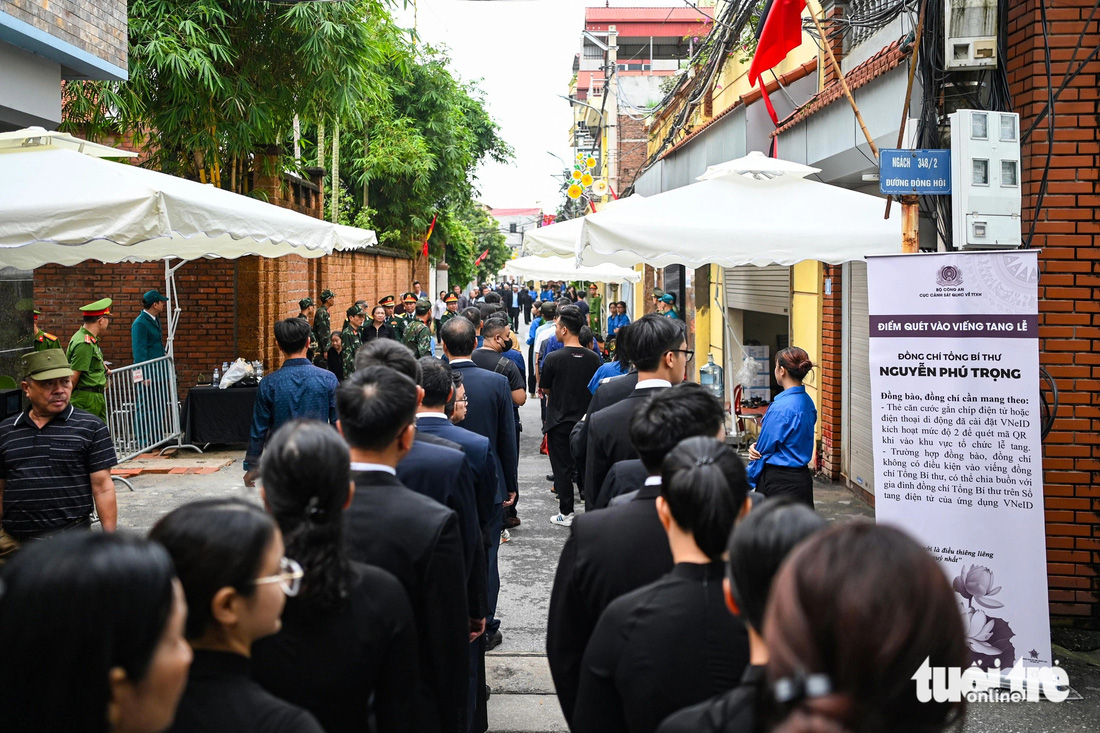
x: 347, y: 650
x: 334, y: 359
x: 377, y: 328
x: 229, y: 556
x: 672, y: 643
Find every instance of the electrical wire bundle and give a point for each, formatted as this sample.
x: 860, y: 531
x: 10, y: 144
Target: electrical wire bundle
x: 692, y: 88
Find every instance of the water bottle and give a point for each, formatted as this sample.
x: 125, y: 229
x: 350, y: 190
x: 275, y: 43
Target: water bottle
x: 259, y: 370
x: 217, y: 377
x: 710, y: 376
x: 225, y: 367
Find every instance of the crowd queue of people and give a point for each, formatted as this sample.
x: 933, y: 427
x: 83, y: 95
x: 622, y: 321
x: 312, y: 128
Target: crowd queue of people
x: 693, y: 593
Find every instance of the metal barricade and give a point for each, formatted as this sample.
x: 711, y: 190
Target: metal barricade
x: 143, y: 411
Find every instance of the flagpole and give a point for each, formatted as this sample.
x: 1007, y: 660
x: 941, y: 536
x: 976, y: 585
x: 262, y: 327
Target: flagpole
x: 840, y: 75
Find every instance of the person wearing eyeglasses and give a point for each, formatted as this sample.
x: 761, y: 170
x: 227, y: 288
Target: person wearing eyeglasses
x: 347, y: 650
x: 229, y: 556
x: 658, y: 349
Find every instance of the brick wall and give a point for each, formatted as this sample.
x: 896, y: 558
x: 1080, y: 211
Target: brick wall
x: 95, y: 26
x: 633, y: 139
x: 1069, y: 305
x: 229, y: 306
x: 207, y: 294
x: 831, y: 374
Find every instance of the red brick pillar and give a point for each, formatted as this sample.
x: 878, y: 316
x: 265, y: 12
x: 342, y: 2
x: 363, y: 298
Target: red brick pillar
x: 834, y: 31
x: 1069, y: 306
x: 831, y: 372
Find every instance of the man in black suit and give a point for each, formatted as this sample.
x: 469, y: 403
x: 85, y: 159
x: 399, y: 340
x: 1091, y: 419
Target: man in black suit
x: 414, y: 537
x: 614, y: 551
x: 658, y: 348
x: 436, y: 468
x: 489, y: 413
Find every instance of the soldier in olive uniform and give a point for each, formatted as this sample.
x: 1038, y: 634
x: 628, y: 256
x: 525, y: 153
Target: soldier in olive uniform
x: 41, y: 340
x: 307, y: 314
x: 408, y: 301
x: 353, y: 338
x: 452, y: 309
x: 394, y: 322
x: 322, y: 328
x: 86, y: 359
x: 418, y: 332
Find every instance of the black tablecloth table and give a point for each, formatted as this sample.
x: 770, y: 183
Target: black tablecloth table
x: 11, y: 402
x: 213, y: 415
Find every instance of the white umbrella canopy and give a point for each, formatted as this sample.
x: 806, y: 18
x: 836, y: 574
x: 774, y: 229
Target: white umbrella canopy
x: 565, y: 268
x: 62, y: 206
x: 734, y: 220
x: 561, y: 238
x: 757, y: 165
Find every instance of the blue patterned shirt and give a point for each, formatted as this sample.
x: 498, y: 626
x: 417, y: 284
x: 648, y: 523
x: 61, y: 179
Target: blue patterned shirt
x: 296, y: 390
x: 786, y: 433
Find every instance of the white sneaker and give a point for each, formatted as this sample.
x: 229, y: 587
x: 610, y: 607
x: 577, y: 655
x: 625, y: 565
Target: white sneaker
x: 505, y: 535
x: 565, y: 520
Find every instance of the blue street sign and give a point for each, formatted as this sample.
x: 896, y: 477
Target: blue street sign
x: 923, y: 172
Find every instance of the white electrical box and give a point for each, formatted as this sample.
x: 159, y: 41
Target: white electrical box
x: 971, y: 36
x: 985, y: 179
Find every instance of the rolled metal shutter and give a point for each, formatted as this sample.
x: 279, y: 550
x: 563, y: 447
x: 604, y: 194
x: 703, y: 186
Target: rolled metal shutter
x: 859, y: 468
x: 763, y: 289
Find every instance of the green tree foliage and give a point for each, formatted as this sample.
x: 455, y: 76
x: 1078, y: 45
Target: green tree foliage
x: 215, y: 86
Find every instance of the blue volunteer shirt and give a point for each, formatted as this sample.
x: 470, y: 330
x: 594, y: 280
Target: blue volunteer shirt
x: 610, y: 369
x: 296, y: 390
x: 786, y: 433
x: 615, y: 322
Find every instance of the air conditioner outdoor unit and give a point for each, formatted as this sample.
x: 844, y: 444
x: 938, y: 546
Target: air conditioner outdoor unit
x: 971, y: 36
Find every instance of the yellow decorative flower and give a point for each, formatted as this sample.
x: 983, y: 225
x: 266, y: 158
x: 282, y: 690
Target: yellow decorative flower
x: 590, y: 162
x: 577, y: 175
x: 575, y: 191
x: 586, y: 180
x: 580, y: 157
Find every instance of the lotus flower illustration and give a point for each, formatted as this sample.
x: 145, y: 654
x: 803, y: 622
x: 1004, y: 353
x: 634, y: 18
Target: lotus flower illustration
x: 976, y: 583
x: 979, y: 630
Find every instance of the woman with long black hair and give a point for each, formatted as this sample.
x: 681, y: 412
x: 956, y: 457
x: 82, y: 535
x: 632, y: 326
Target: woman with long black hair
x: 91, y: 637
x: 347, y: 649
x: 672, y: 643
x: 229, y: 557
x: 782, y: 453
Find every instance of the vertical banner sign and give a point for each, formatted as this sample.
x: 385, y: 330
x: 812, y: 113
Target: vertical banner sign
x: 954, y: 354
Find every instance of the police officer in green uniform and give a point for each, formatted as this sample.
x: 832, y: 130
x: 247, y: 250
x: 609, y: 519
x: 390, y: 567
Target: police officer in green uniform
x: 418, y: 332
x: 353, y: 338
x: 452, y: 309
x: 86, y: 359
x: 408, y: 301
x: 322, y: 328
x: 41, y: 341
x: 397, y: 324
x: 307, y: 314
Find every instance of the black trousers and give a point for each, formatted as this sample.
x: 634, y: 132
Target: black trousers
x: 793, y: 483
x: 514, y: 313
x: 561, y: 462
x: 513, y: 511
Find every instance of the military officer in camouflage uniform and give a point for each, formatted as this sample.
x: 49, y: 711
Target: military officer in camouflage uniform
x: 394, y: 322
x: 41, y: 340
x: 452, y: 309
x: 418, y: 331
x: 308, y: 314
x: 322, y: 328
x: 86, y: 359
x: 353, y: 338
x: 408, y: 301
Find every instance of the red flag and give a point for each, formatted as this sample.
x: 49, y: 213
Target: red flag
x: 424, y: 252
x: 782, y: 34
x: 481, y: 257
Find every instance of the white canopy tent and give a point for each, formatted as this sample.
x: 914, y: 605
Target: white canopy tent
x: 62, y: 203
x: 565, y: 268
x: 750, y: 211
x: 561, y: 238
